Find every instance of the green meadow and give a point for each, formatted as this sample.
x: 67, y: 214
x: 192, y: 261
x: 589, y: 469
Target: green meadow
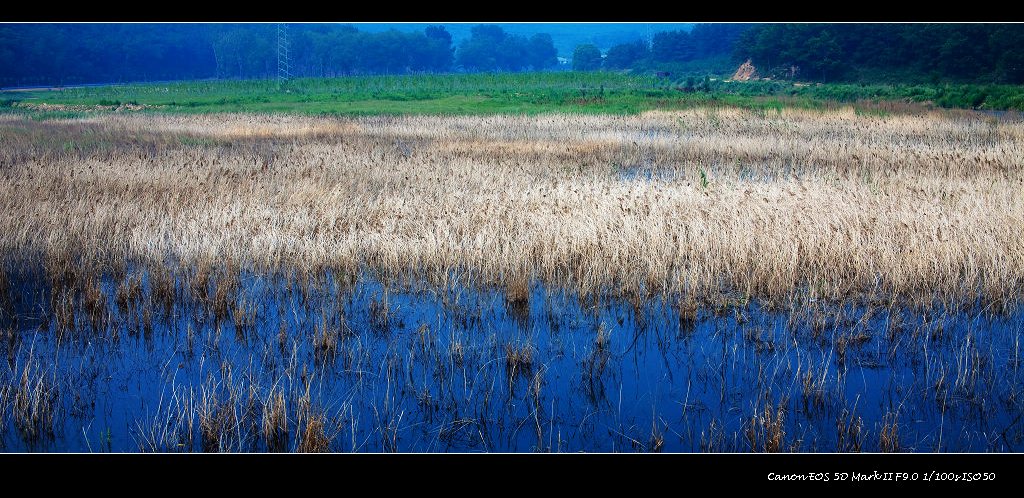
x: 503, y: 93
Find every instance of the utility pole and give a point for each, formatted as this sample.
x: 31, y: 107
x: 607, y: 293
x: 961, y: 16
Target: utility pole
x: 284, y: 72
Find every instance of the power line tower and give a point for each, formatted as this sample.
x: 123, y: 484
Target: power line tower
x: 284, y: 70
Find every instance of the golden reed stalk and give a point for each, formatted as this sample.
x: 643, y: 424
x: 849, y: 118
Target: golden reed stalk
x: 705, y: 202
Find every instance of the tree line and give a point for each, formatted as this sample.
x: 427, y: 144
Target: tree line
x: 917, y: 53
x: 42, y: 54
x: 987, y: 53
x: 704, y: 41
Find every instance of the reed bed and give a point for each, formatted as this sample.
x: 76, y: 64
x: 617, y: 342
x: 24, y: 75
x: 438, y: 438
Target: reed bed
x: 711, y: 204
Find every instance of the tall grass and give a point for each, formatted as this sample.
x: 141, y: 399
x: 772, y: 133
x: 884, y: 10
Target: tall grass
x: 782, y: 207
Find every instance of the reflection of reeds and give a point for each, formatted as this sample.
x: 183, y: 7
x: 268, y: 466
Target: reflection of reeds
x: 687, y: 313
x: 657, y: 442
x: 34, y: 403
x: 6, y: 392
x: 889, y: 436
x: 94, y: 303
x: 218, y: 413
x: 713, y: 440
x: 595, y: 363
x: 225, y: 294
x: 849, y: 432
x: 423, y: 365
x: 907, y: 206
x: 312, y: 427
x: 275, y: 421
x: 973, y: 374
x: 517, y: 291
x: 9, y: 337
x: 6, y: 301
x: 215, y: 424
x: 518, y: 359
x: 128, y: 293
x: 380, y: 314
x: 171, y: 429
x: 163, y: 288
x: 457, y: 353
x: 765, y: 431
x: 813, y: 389
x: 325, y: 344
x: 314, y: 436
x: 517, y: 298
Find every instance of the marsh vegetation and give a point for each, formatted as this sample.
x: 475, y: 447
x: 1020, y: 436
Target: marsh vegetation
x: 713, y: 279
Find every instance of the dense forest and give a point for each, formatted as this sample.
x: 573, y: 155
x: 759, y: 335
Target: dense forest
x: 703, y: 42
x: 76, y: 53
x: 43, y: 54
x: 984, y: 53
x: 72, y: 53
x: 918, y: 53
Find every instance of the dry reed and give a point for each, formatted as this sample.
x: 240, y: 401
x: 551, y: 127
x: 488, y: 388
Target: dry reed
x: 824, y: 205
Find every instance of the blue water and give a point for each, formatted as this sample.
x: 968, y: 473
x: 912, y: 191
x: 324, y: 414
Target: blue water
x: 433, y: 373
